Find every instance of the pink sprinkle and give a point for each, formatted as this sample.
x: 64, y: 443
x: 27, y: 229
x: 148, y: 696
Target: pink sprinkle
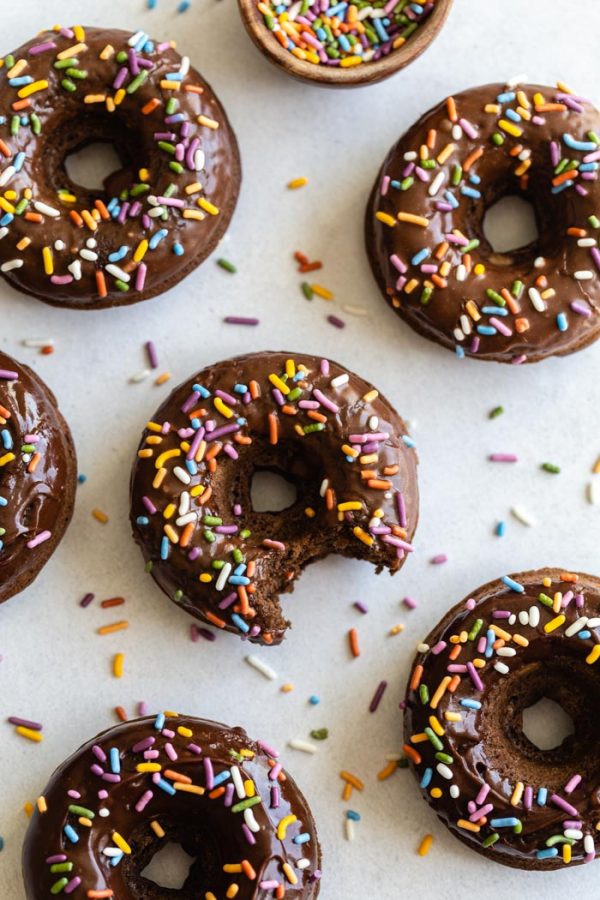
x: 334, y: 320
x: 572, y: 784
x: 439, y: 559
x: 240, y: 320
x: 409, y: 602
x: 503, y: 457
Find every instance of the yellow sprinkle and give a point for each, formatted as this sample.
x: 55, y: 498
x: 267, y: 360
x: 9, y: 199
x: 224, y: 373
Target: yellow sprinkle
x: 232, y: 868
x: 453, y: 717
x: 168, y: 454
x: 501, y: 633
x: 110, y: 104
x: 593, y: 655
x: 479, y: 269
x: 441, y: 690
x: 425, y: 845
x: 445, y: 153
x: 232, y: 891
x: 322, y: 292
x: 510, y: 128
x: 36, y: 736
x: 157, y: 829
x: 189, y: 788
x: 185, y: 732
x: 283, y: 825
x: 148, y: 767
x: 159, y: 478
x: 28, y: 809
x: 289, y: 873
x: 17, y: 68
x: 209, y: 896
x: 170, y: 85
x: 100, y: 516
x: 385, y: 218
x: 171, y: 534
x: 48, y: 261
x: 348, y: 61
x: 349, y: 505
x: 277, y: 382
x: 79, y: 32
x: 309, y: 511
x: 492, y: 108
x: 205, y: 578
x: 396, y: 629
x: 553, y: 624
x: 208, y: 207
x: 8, y: 457
x: 118, y: 665
x: 194, y: 188
x: 547, y: 582
x: 517, y: 793
x: 121, y: 843
x: 296, y: 183
x: 371, y: 396
x: 566, y: 853
x: 468, y: 826
x: 363, y: 536
x: 120, y: 96
x: 193, y: 214
x: 140, y: 250
x: 6, y: 206
x: 169, y: 510
x: 249, y: 787
x: 287, y: 688
x: 520, y: 640
x: 87, y: 823
x: 222, y: 407
x: 436, y: 793
x: 42, y: 805
x: 32, y: 88
x: 107, y: 52
x: 94, y: 98
x: 411, y: 219
x: 436, y: 726
x: 208, y: 123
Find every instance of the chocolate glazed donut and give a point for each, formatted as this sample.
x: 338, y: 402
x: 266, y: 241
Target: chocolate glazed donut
x: 158, y: 217
x: 138, y: 786
x: 38, y: 476
x: 315, y: 423
x: 424, y: 223
x: 513, y: 642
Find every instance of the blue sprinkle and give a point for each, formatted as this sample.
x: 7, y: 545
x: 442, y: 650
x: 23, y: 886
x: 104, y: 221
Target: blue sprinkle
x: 486, y: 329
x: 237, y: 620
x: 500, y: 529
x: 420, y: 256
x: 344, y: 43
x: 584, y: 146
x: 584, y: 635
x: 159, y: 722
x: 547, y: 854
x: 191, y: 466
x: 460, y: 352
x: 221, y: 777
x: 21, y: 81
x: 71, y: 834
x: 119, y: 254
x: 7, y: 440
x: 513, y: 585
x: 314, y: 700
x: 183, y: 6
x: 381, y: 32
x: 474, y: 179
x: 470, y: 704
x: 322, y: 34
x: 142, y: 520
x: 351, y: 814
x: 18, y: 161
x: 489, y: 647
x: 239, y: 570
x: 509, y: 822
x: 165, y: 786
x: 337, y: 10
x: 542, y: 796
x: 115, y: 860
x: 303, y: 838
x: 240, y: 388
x: 3, y: 501
x: 511, y: 114
x: 149, y: 47
x: 157, y: 238
x: 164, y: 547
x: 562, y: 187
x: 451, y: 199
x: 115, y: 760
x: 173, y: 76
x: 561, y: 321
x: 506, y: 97
x: 204, y: 392
x: 151, y: 4
x: 470, y: 192
x: 426, y: 779
x: 409, y: 441
x: 494, y: 311
x: 6, y: 219
x: 81, y: 478
x: 588, y: 167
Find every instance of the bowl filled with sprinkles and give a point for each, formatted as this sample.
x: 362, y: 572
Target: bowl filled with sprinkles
x: 339, y: 43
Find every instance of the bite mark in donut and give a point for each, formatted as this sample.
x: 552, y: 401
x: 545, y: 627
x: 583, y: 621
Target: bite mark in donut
x: 512, y: 643
x: 312, y: 421
x: 140, y: 785
x: 158, y: 217
x: 424, y: 224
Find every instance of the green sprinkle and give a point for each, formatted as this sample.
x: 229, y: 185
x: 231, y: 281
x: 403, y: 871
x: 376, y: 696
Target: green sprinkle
x: 407, y: 183
x: 558, y: 839
x: 122, y: 285
x: 495, y: 296
x: 434, y: 739
x: 138, y: 189
x: 497, y: 139
x: 228, y: 266
x: 68, y: 85
x: 495, y: 412
x: 477, y: 626
x: 238, y: 556
x: 245, y: 533
x: 428, y: 164
x: 15, y: 124
x: 457, y: 173
x: 66, y: 63
x: 246, y: 804
x: 472, y: 245
x: 444, y: 758
x: 58, y: 868
x: 172, y: 106
x: 176, y: 167
x: 424, y: 694
x: 212, y: 520
x: 517, y: 289
x: 550, y: 467
x: 177, y: 596
x: 294, y: 394
x: 218, y: 564
x: 594, y: 221
x: 320, y: 734
x: 310, y: 429
x: 148, y: 567
x: 137, y: 82
x: 121, y: 56
x: 81, y: 811
x: 490, y: 840
x: 167, y: 147
x: 27, y: 448
x: 209, y: 536
x: 59, y: 885
x: 426, y: 295
x: 77, y: 74
x: 307, y: 290
x: 546, y: 600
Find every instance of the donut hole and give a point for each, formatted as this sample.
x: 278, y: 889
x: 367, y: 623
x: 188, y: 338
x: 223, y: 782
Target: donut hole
x: 510, y: 224
x: 169, y: 867
x: 270, y: 491
x: 560, y: 676
x: 546, y: 724
x: 92, y: 164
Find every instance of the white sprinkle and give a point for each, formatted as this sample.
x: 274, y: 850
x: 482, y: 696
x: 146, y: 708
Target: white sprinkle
x: 7, y: 175
x: 186, y: 519
x: 502, y: 668
x: 156, y: 212
x: 3, y: 232
x: 88, y: 255
x: 410, y: 156
x: 436, y: 184
x: 594, y: 622
x: 536, y: 299
x: 184, y: 68
x: 184, y: 503
x: 512, y: 619
x: 583, y: 275
x: 59, y: 245
x: 515, y: 80
x: 534, y: 616
x: 588, y: 844
x: 182, y: 474
x: 456, y: 132
x: 46, y: 210
x: 223, y: 576
x: 238, y: 782
x: 593, y: 492
x: 199, y: 160
x: 458, y: 335
x: 422, y: 648
x: 444, y: 771
x: 524, y: 617
x: 250, y: 820
x: 112, y: 851
x: 304, y: 746
x: 38, y: 342
x: 261, y: 667
x: 574, y: 833
x: 103, y: 813
x: 393, y: 757
x: 324, y: 486
x: 117, y: 272
x: 576, y: 626
x: 92, y: 243
x: 454, y: 791
x: 340, y: 380
x: 11, y: 264
x: 141, y: 376
x: 75, y: 269
x: 349, y: 830
x: 303, y: 863
x: 586, y: 242
x: 135, y: 38
x: 466, y: 324
x: 521, y: 514
x: 373, y: 423
x: 461, y: 272
x: 539, y: 262
x: 506, y: 651
x: 355, y: 310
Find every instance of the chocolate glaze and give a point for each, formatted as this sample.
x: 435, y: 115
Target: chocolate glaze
x: 67, y: 124
x: 555, y: 256
x: 37, y: 501
x: 208, y: 828
x: 308, y: 460
x: 487, y: 745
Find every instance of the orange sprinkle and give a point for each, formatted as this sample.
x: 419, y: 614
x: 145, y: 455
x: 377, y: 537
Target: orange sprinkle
x: 100, y: 516
x: 4, y: 149
x: 176, y: 776
x: 97, y: 894
x: 162, y: 378
x: 102, y: 209
x: 569, y: 576
x: 150, y: 106
x: 353, y: 638
x: 74, y: 215
x: 101, y: 284
x: 472, y: 158
x: 388, y: 771
x: 33, y: 217
x: 218, y: 792
x: 121, y: 714
x: 416, y: 678
x: 33, y: 463
x: 248, y: 870
x: 214, y: 619
x: 112, y: 601
x: 352, y: 779
x: 347, y: 792
x: 451, y: 107
x: 273, y: 427
x: 412, y: 754
x: 115, y: 626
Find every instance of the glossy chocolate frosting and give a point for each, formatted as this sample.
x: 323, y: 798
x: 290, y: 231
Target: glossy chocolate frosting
x: 441, y: 275
x: 38, y: 473
x: 159, y: 216
x: 513, y: 642
x: 323, y: 428
x: 179, y: 779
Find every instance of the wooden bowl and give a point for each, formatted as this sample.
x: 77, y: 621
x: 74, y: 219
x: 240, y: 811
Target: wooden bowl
x: 333, y: 76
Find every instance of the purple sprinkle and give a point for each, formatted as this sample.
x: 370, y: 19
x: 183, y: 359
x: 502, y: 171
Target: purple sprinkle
x: 361, y: 607
x: 152, y: 355
x: 439, y: 559
x: 25, y: 723
x: 240, y: 320
x: 85, y: 601
x: 377, y: 696
x: 8, y: 375
x: 334, y: 320
x: 209, y: 774
x: 250, y: 837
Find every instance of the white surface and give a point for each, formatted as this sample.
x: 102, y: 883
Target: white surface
x: 58, y: 670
